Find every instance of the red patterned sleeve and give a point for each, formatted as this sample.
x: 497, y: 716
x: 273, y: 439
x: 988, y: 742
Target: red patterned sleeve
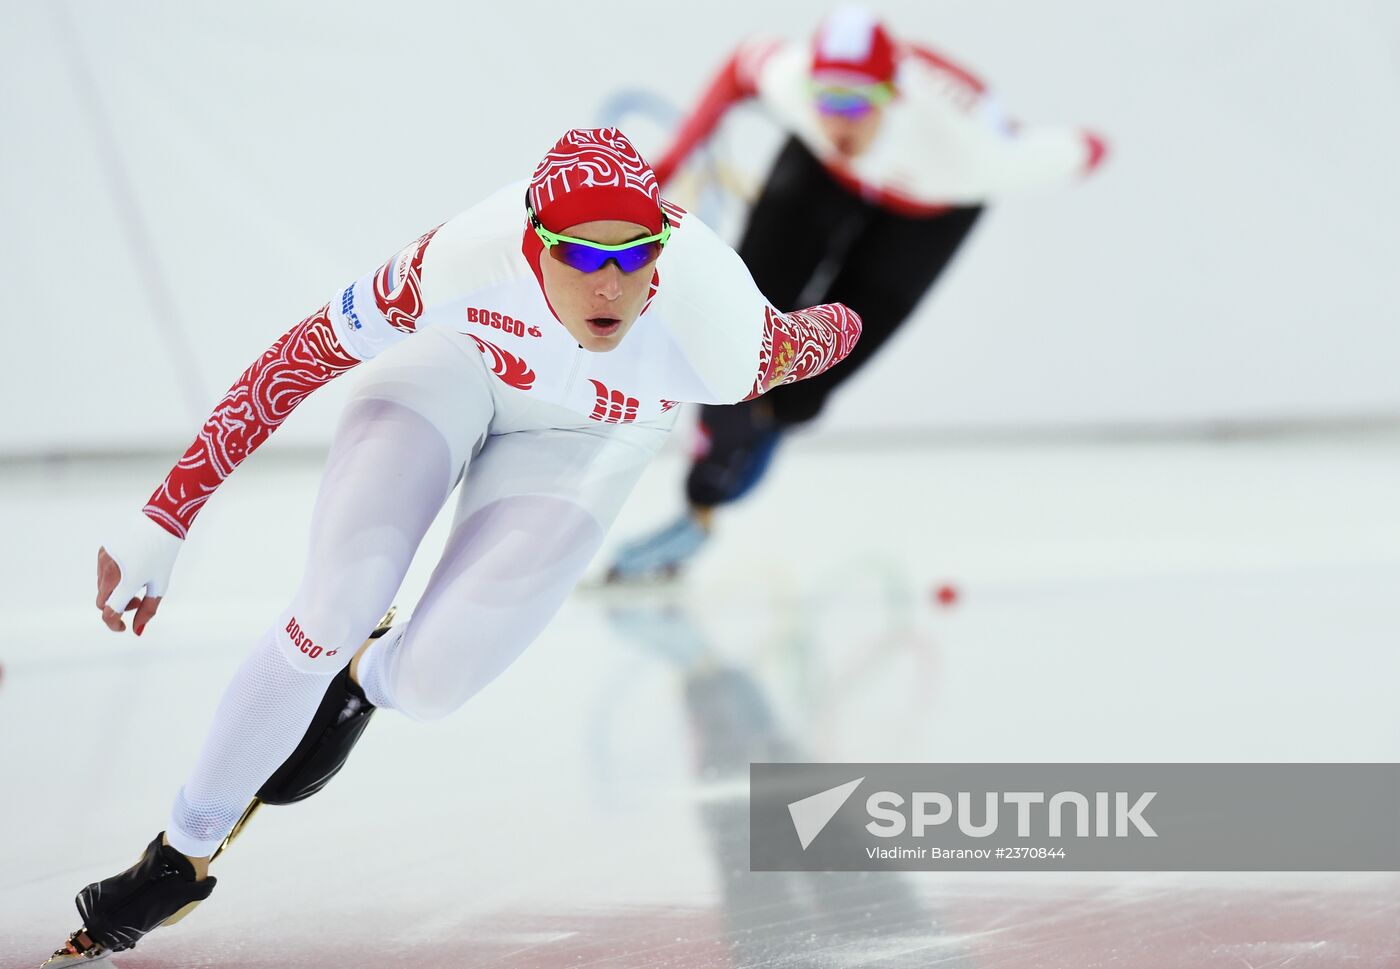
x: 371, y: 313
x: 736, y: 81
x: 803, y: 344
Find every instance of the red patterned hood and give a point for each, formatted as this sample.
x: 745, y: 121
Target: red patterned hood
x: 591, y: 174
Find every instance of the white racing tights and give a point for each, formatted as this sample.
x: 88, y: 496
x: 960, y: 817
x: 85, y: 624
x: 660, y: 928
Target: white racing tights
x: 540, y: 487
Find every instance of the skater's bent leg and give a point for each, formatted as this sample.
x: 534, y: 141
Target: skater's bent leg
x: 390, y: 470
x: 258, y: 723
x: 792, y: 225
x: 534, y: 510
x: 891, y: 266
x: 735, y: 448
x: 789, y: 237
x: 505, y: 572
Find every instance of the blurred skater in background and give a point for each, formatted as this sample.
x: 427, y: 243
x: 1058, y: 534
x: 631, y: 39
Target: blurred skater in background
x: 892, y: 152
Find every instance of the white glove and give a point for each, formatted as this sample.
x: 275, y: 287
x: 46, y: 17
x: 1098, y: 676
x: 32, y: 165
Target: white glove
x: 146, y: 554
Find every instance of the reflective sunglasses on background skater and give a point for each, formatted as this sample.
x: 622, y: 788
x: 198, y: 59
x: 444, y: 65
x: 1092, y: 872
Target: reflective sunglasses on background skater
x: 850, y: 102
x: 589, y: 257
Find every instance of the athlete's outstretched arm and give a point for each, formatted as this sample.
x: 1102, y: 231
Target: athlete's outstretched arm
x: 981, y: 152
x: 371, y: 313
x: 803, y: 343
x: 1023, y: 156
x: 736, y: 81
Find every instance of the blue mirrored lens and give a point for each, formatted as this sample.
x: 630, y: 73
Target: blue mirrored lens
x: 844, y: 105
x: 586, y: 259
x: 630, y: 260
x: 583, y: 258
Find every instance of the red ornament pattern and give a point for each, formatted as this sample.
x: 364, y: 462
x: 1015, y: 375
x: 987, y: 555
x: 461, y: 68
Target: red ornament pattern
x: 803, y: 344
x: 307, y: 356
x: 513, y: 371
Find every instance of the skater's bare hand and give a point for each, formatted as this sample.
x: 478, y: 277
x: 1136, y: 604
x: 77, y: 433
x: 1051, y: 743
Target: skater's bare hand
x: 108, y: 575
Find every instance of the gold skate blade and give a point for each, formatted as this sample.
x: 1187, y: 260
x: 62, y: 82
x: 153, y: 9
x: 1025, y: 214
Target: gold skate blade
x: 384, y: 624
x: 71, y: 955
x: 248, y: 813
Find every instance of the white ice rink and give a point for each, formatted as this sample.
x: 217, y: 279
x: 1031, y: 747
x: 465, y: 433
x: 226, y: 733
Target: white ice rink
x: 1168, y: 601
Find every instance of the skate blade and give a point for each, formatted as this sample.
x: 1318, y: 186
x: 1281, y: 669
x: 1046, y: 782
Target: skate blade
x: 248, y: 813
x: 385, y: 624
x: 70, y: 955
x: 660, y: 580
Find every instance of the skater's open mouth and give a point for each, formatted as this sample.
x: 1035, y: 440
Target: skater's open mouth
x: 603, y: 325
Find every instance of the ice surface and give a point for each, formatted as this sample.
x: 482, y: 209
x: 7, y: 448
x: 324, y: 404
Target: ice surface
x: 1137, y: 602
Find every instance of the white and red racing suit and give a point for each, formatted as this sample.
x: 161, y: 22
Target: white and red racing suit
x: 476, y: 381
x: 943, y: 140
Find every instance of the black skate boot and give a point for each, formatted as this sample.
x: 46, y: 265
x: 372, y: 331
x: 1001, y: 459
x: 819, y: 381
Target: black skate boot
x: 339, y: 721
x: 160, y: 889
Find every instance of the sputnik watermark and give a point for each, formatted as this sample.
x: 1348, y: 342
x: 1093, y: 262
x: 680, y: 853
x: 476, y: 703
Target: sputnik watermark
x: 1076, y: 817
x: 811, y: 814
x: 890, y: 821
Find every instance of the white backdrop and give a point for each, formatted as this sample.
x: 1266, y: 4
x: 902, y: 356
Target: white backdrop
x: 182, y: 181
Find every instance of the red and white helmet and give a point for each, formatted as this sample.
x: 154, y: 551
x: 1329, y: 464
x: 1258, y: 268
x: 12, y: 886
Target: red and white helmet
x: 595, y: 174
x: 852, y: 49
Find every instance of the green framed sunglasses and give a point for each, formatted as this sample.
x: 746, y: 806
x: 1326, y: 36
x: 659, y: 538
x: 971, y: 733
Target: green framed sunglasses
x: 589, y: 257
x: 850, y: 102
